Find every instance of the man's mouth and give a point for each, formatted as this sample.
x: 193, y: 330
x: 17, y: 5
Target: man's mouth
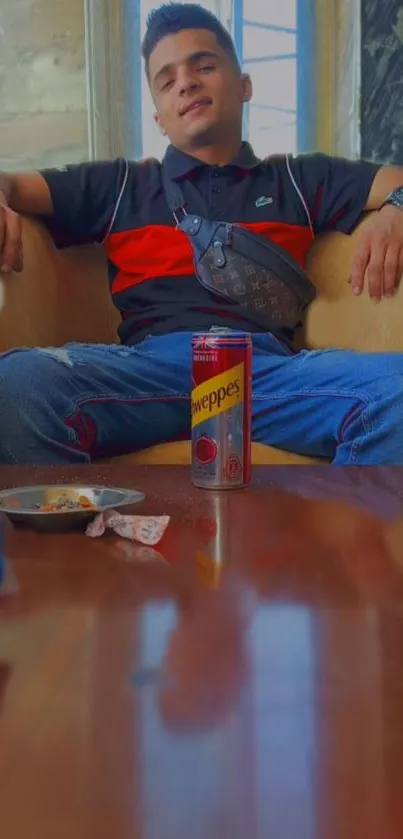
x: 197, y: 105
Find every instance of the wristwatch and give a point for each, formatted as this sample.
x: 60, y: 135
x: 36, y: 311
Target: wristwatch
x: 395, y: 198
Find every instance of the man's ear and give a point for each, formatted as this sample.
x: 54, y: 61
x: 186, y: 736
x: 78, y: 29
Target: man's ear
x: 158, y: 123
x: 247, y: 90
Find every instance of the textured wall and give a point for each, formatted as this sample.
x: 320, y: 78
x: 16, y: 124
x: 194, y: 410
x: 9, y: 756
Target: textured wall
x: 346, y: 78
x: 382, y: 80
x: 43, y: 118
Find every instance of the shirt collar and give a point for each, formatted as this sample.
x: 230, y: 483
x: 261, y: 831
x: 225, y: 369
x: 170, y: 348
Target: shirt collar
x: 179, y: 163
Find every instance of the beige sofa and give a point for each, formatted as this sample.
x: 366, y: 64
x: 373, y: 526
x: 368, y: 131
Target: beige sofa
x: 63, y: 296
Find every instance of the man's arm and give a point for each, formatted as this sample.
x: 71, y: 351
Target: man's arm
x: 19, y: 193
x: 386, y: 180
x: 378, y: 259
x: 80, y: 199
x: 338, y: 191
x: 26, y: 193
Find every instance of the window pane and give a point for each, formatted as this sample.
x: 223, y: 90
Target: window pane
x: 280, y: 12
x: 43, y: 96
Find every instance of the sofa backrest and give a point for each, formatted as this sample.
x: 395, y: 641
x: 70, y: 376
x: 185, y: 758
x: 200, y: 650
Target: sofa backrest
x: 63, y: 296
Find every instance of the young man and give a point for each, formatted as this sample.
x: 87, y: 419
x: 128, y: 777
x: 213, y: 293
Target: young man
x: 109, y: 400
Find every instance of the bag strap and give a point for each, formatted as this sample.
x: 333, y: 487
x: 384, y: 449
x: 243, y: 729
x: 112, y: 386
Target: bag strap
x: 174, y: 196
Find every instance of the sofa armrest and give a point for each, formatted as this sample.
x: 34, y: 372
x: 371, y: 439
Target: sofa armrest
x: 63, y: 296
x: 339, y: 319
x: 60, y: 296
x: 28, y: 317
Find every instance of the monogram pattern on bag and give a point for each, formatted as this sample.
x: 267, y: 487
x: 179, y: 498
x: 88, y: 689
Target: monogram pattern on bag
x: 252, y: 286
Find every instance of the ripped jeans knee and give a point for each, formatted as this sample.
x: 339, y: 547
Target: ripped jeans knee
x: 60, y: 354
x: 31, y: 396
x: 68, y: 404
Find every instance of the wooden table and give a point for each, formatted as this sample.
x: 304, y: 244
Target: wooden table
x: 242, y: 681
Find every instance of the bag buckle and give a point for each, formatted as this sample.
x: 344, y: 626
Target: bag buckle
x: 175, y: 215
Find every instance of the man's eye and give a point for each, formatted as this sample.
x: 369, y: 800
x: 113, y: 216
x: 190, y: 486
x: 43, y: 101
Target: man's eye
x: 167, y: 84
x: 207, y: 67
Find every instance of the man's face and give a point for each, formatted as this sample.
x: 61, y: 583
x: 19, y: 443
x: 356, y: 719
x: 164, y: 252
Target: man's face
x: 197, y: 89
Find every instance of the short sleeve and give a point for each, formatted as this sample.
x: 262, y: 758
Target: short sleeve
x: 84, y: 198
x: 335, y: 189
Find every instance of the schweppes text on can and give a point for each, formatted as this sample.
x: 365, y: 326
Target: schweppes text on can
x: 221, y: 409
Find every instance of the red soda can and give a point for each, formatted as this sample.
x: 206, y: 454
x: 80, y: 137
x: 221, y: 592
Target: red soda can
x: 221, y: 409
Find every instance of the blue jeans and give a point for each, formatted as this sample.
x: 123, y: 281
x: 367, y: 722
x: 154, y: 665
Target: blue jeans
x: 83, y: 401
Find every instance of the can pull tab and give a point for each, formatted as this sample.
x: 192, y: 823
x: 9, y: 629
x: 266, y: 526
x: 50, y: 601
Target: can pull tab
x: 218, y: 254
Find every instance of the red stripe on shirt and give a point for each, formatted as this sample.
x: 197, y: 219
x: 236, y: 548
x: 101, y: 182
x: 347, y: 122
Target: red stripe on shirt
x: 158, y: 251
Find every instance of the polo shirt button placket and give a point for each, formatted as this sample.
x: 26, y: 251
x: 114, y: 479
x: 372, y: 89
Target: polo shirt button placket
x: 216, y: 190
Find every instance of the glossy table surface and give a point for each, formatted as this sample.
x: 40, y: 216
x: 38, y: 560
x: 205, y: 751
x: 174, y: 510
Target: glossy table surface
x: 243, y: 680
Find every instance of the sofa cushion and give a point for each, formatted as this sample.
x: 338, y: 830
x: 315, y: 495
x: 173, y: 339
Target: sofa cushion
x: 168, y: 454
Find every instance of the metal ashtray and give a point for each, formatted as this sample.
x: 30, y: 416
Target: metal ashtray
x: 23, y: 505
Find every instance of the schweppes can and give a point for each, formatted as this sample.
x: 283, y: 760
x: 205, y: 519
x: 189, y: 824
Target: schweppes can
x: 221, y: 409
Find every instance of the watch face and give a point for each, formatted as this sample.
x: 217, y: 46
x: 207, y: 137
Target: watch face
x: 396, y: 197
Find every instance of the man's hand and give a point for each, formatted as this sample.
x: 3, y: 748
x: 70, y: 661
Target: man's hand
x: 10, y: 239
x: 378, y: 259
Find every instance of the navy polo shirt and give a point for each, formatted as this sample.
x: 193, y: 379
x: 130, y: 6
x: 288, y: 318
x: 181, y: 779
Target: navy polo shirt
x: 122, y: 205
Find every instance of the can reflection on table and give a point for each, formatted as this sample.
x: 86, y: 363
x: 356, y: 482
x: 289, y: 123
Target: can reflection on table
x: 213, y: 539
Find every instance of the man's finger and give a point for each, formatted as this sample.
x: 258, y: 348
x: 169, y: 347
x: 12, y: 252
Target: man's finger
x: 12, y: 245
x: 376, y: 271
x: 391, y: 269
x: 359, y: 266
x: 19, y: 263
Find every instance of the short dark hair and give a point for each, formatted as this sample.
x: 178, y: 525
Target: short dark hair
x: 171, y: 18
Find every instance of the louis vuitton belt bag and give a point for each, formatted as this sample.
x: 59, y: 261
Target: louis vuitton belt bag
x: 232, y: 262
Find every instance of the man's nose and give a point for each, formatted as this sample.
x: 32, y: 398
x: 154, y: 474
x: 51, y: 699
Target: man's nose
x: 188, y: 83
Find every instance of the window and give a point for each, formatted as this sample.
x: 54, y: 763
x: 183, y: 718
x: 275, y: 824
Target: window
x: 268, y: 42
